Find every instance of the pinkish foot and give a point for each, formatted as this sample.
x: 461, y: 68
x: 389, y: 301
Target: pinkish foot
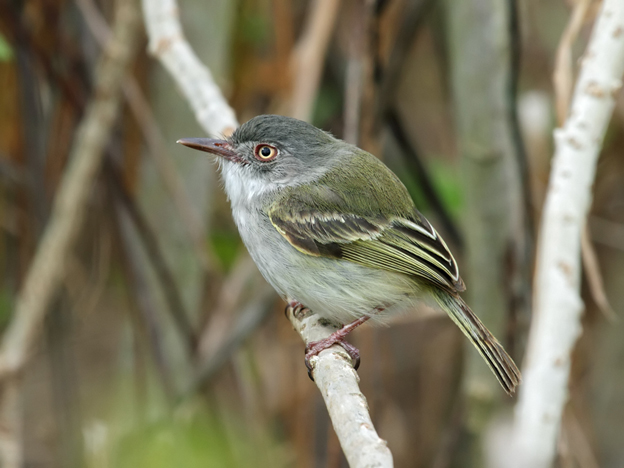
x: 338, y: 337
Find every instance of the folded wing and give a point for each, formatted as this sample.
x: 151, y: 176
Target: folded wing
x: 407, y: 245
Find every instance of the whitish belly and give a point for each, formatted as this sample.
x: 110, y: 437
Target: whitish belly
x: 335, y: 289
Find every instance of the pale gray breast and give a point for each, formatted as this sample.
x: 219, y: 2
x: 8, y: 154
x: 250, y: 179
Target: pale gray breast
x: 269, y: 250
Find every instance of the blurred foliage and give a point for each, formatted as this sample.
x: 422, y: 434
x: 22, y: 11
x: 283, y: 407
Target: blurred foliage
x: 6, y: 52
x: 256, y: 28
x: 226, y: 246
x: 196, y: 443
x: 445, y: 177
x: 328, y: 104
x: 6, y: 306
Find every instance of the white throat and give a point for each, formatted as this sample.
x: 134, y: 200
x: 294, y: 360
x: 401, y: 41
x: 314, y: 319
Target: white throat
x: 243, y: 188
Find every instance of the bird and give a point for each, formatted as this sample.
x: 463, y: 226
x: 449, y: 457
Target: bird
x: 334, y: 230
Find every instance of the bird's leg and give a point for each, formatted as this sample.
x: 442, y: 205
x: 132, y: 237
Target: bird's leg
x: 315, y: 347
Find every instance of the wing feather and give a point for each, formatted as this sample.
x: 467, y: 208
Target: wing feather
x: 408, y: 246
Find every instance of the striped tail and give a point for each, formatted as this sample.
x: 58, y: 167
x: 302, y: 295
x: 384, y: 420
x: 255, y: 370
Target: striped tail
x: 489, y: 348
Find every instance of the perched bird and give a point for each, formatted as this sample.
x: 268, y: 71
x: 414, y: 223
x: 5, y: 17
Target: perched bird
x: 333, y: 229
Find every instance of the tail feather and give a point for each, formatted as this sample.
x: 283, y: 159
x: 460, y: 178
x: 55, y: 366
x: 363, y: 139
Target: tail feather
x: 488, y: 346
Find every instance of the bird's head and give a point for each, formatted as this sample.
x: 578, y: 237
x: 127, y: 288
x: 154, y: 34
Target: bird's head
x: 273, y: 151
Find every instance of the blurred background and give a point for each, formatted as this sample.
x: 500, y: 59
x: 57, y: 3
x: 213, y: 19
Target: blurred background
x: 164, y: 347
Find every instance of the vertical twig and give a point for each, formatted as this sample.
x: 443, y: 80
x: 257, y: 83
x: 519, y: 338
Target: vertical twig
x: 415, y: 13
x: 563, y: 76
x: 249, y: 320
x: 558, y: 305
x: 480, y: 53
x: 420, y: 171
x: 522, y: 249
x: 358, y: 42
x: 563, y: 79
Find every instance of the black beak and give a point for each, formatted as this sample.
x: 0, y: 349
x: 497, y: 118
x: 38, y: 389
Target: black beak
x: 219, y: 147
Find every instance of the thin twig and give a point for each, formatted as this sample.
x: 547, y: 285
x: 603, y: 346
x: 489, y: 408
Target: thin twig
x: 357, y: 42
x: 591, y: 267
x: 607, y: 232
x: 515, y: 46
x: 142, y: 300
x: 412, y: 19
x: 353, y: 98
x: 580, y: 446
x: 229, y: 299
x: 563, y: 76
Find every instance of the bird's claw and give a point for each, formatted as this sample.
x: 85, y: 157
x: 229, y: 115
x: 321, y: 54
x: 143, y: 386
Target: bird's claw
x: 315, y: 347
x: 297, y: 308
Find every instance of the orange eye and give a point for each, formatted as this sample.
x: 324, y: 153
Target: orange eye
x: 265, y: 153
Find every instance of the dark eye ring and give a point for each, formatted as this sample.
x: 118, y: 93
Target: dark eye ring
x: 265, y: 152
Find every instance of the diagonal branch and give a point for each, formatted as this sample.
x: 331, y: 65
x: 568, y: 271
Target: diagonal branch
x: 250, y: 319
x: 419, y: 169
x: 563, y: 80
x: 338, y: 383
x: 168, y: 44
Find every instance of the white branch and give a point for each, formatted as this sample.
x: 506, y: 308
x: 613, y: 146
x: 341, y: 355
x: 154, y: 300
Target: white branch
x: 334, y: 374
x: 338, y: 383
x: 558, y: 306
x: 168, y: 44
